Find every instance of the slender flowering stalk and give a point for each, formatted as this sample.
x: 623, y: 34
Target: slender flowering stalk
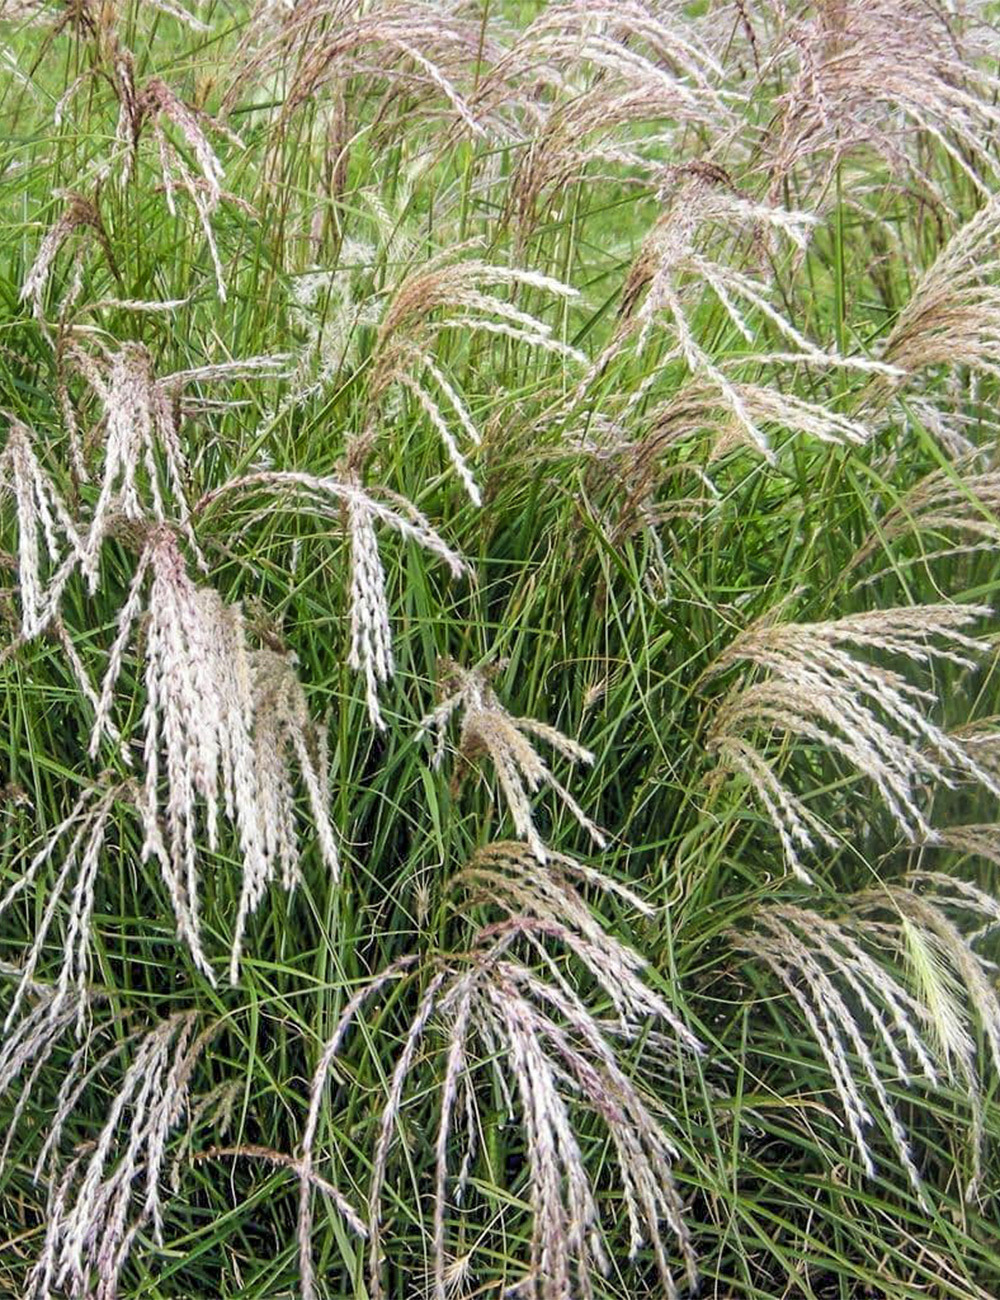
x: 975, y: 841
x: 327, y: 1057
x: 643, y: 465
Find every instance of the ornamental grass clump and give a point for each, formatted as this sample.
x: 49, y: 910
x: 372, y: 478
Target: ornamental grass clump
x: 499, y: 651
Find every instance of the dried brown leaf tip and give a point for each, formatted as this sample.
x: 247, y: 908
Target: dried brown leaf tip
x: 488, y: 730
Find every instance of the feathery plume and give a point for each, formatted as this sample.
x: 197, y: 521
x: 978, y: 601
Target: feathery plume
x: 326, y: 1060
x: 975, y: 841
x: 79, y: 214
x: 540, y: 1045
x: 431, y: 50
x: 699, y: 408
x: 80, y: 836
x: 894, y: 973
x: 954, y: 505
x: 371, y: 636
x: 505, y: 875
x: 645, y: 69
x: 798, y: 947
x: 953, y: 315
x: 927, y: 914
x: 156, y: 105
x: 982, y: 740
x: 42, y: 517
x: 328, y: 307
x: 488, y: 729
x: 877, y: 78
x: 145, y: 469
x: 679, y: 260
x: 282, y: 731
x: 875, y: 719
x: 358, y: 512
x: 139, y: 423
x: 30, y: 1039
x: 96, y: 1211
x: 198, y: 711
x: 445, y: 294
x: 222, y: 719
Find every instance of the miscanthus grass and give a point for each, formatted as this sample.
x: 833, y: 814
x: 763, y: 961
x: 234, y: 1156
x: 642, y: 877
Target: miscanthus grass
x: 500, y: 752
